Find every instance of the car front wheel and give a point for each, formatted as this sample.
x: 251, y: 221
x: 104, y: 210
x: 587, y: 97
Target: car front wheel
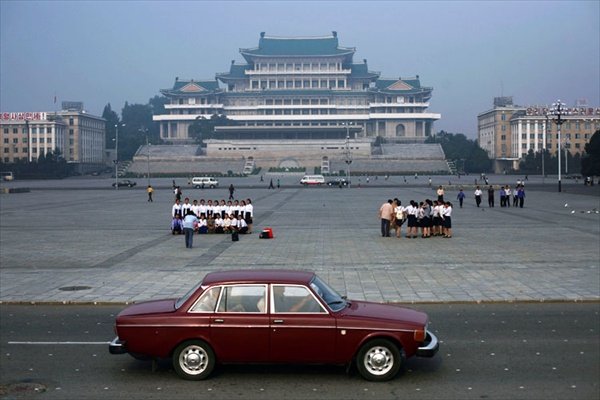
x: 379, y: 360
x: 193, y: 360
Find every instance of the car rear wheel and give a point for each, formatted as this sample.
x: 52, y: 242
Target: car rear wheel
x: 379, y: 360
x: 193, y: 360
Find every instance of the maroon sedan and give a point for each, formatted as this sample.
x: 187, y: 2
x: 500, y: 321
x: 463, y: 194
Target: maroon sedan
x: 272, y: 316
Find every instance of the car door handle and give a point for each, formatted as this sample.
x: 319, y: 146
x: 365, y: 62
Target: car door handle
x: 219, y: 320
x: 278, y: 321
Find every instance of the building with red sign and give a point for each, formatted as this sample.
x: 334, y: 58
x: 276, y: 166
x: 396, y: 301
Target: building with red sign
x: 77, y: 135
x: 507, y: 132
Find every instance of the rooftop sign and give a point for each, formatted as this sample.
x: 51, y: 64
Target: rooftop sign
x: 23, y: 116
x: 589, y: 111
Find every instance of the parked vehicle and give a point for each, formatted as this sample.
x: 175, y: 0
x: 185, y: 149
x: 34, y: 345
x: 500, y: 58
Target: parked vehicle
x: 272, y: 316
x: 338, y: 182
x: 7, y: 176
x: 125, y: 182
x: 312, y: 180
x: 204, y: 182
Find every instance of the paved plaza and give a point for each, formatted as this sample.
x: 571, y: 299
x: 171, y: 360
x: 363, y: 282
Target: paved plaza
x: 116, y: 247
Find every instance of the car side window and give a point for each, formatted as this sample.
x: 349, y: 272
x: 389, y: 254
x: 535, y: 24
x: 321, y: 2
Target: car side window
x: 242, y: 298
x: 294, y: 299
x: 207, y: 301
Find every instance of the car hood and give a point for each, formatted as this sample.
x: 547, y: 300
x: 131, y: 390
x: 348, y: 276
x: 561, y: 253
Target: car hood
x: 389, y: 312
x: 149, y: 307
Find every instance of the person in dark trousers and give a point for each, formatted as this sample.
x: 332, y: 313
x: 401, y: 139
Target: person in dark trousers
x: 271, y: 186
x: 521, y: 195
x: 150, y: 190
x: 461, y: 197
x: 491, y: 196
x: 231, y: 190
x: 478, y: 194
x: 278, y: 183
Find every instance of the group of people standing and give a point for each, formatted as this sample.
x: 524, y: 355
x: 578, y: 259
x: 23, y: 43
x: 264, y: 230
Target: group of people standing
x: 516, y: 196
x: 425, y: 219
x: 211, y: 216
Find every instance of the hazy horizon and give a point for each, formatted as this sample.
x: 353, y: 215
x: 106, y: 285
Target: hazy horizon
x: 101, y: 52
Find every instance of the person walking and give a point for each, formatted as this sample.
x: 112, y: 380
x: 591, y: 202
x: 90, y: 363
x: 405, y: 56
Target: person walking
x: 271, y: 184
x: 150, y: 190
x: 478, y: 194
x: 491, y: 196
x: 231, y: 190
x: 386, y: 213
x: 461, y: 197
x: 190, y: 222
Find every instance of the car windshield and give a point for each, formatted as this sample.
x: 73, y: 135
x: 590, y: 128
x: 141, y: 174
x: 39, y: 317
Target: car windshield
x: 186, y: 296
x: 332, y: 298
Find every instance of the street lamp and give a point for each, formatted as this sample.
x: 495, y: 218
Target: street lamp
x: 117, y: 155
x: 347, y: 153
x: 145, y: 132
x: 558, y: 110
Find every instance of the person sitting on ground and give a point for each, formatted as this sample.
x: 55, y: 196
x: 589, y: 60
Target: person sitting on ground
x: 227, y: 224
x: 218, y: 224
x: 242, y: 226
x: 202, y: 224
x: 176, y: 225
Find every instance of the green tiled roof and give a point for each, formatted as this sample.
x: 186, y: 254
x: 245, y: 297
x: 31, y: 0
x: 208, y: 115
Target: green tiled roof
x: 362, y: 71
x: 414, y: 85
x: 236, y: 71
x: 296, y: 47
x: 180, y: 85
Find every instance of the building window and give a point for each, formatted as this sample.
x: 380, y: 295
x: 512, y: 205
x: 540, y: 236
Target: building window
x: 33, y: 140
x: 15, y: 140
x: 34, y: 150
x: 6, y: 149
x: 5, y: 140
x: 71, y: 121
x: 15, y: 130
x: 6, y: 131
x: 503, y: 137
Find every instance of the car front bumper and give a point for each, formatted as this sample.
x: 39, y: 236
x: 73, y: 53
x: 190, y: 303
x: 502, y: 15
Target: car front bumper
x: 117, y: 346
x: 430, y: 346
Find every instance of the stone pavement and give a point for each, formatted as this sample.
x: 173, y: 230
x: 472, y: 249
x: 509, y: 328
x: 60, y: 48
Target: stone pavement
x: 116, y: 247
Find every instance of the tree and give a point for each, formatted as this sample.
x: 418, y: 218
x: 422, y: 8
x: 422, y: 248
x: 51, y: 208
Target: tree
x: 112, y: 119
x: 590, y: 162
x: 202, y: 128
x: 459, y: 147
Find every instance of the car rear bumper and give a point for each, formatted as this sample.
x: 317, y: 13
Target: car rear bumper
x: 430, y: 346
x: 117, y: 346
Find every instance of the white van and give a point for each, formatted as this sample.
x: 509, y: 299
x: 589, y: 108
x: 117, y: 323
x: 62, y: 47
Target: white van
x: 204, y: 182
x: 7, y: 176
x: 312, y: 180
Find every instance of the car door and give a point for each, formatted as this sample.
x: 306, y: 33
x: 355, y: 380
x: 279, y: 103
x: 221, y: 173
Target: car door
x: 301, y: 329
x: 239, y: 330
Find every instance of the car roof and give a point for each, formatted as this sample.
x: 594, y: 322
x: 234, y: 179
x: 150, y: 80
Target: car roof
x: 258, y: 276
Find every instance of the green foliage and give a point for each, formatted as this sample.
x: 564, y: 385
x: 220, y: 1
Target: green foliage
x: 49, y: 166
x: 590, y: 163
x: 204, y: 128
x: 459, y: 147
x: 135, y: 124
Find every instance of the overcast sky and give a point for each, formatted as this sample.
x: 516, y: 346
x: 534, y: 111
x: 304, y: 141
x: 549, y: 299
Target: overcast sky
x: 103, y: 52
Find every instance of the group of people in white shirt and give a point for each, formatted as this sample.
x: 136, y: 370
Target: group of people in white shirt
x: 431, y: 218
x: 213, y: 216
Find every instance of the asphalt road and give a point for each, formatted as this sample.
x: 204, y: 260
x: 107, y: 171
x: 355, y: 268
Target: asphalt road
x: 488, y: 351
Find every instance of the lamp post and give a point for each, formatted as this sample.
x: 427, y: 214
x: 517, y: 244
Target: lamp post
x: 558, y: 110
x: 544, y: 146
x: 145, y: 132
x: 347, y: 153
x: 117, y: 155
x: 567, y: 145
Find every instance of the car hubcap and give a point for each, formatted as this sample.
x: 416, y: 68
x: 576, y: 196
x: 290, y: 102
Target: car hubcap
x: 379, y: 360
x: 193, y: 360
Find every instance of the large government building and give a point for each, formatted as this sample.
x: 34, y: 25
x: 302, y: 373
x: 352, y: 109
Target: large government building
x: 299, y: 88
x: 77, y: 135
x: 507, y: 132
